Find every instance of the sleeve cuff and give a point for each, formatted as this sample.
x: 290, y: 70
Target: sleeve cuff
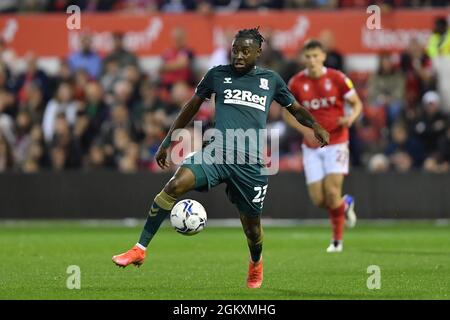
x: 349, y: 93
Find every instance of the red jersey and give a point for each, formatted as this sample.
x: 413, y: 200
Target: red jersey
x: 170, y: 77
x: 325, y: 98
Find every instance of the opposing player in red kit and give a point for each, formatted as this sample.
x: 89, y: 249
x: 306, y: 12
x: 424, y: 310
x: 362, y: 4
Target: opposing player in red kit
x: 324, y: 92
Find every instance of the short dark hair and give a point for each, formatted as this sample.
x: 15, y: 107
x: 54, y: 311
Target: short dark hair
x: 312, y: 44
x: 441, y: 22
x: 251, y: 34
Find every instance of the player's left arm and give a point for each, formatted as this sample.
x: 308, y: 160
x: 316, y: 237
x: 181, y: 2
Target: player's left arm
x: 356, y: 105
x: 351, y: 97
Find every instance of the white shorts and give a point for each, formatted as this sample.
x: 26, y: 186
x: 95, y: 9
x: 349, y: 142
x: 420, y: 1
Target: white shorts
x: 320, y: 162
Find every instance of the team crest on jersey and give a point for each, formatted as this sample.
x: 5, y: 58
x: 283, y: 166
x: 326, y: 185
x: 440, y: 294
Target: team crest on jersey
x: 227, y: 80
x: 328, y: 85
x: 305, y: 87
x: 264, y: 84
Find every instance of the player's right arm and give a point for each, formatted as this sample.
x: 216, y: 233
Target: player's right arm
x: 185, y: 116
x: 203, y: 91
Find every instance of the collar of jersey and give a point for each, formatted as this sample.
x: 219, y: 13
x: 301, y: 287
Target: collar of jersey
x: 251, y: 72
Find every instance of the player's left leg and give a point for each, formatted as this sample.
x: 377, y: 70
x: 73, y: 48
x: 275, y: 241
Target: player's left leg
x: 336, y: 208
x: 254, y: 233
x: 246, y: 189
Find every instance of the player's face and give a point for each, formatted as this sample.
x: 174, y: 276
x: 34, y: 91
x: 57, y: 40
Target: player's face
x: 314, y: 58
x: 244, y: 53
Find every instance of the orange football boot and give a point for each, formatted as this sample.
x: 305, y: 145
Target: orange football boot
x: 255, y: 274
x: 134, y: 256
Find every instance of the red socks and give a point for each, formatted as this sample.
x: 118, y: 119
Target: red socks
x: 337, y: 217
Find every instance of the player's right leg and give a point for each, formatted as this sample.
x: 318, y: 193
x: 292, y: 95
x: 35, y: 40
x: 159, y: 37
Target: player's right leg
x: 183, y: 181
x: 317, y: 194
x: 314, y: 174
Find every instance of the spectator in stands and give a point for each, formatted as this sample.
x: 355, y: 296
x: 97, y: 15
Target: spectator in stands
x: 260, y: 4
x: 153, y: 125
x: 125, y: 151
x: 122, y: 94
x: 96, y: 158
x: 64, y: 151
x: 177, y: 61
x: 96, y: 109
x: 32, y: 74
x: 403, y: 150
x: 325, y: 4
x: 297, y: 4
x: 6, y: 94
x: 61, y: 5
x: 81, y: 129
x: 32, y: 5
x: 439, y: 50
x: 334, y: 57
x: 149, y: 101
x: 22, y: 137
x: 134, y: 76
x: 292, y: 66
x: 34, y: 102
x: 129, y: 161
x: 271, y: 58
x: 36, y: 156
x: 111, y: 74
x: 119, y: 118
x: 86, y: 58
x: 90, y: 116
x: 119, y: 53
x: 177, y: 6
x: 131, y: 6
x: 416, y: 66
x: 63, y: 74
x: 221, y: 54
x: 8, y: 6
x: 62, y: 103
x: 81, y: 78
x: 225, y: 5
x: 378, y: 163
x: 7, y: 57
x: 386, y: 88
x: 6, y: 157
x: 439, y: 162
x: 431, y: 124
x: 439, y: 41
x: 179, y: 95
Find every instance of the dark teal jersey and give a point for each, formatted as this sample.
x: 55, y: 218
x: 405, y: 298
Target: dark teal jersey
x: 242, y: 102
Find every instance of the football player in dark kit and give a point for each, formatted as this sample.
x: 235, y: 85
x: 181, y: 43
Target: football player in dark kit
x: 243, y: 95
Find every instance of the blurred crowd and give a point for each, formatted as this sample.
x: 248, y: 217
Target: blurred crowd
x: 104, y: 112
x: 203, y: 6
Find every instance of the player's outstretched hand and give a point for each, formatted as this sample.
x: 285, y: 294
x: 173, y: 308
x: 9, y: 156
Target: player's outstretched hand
x: 321, y: 135
x: 161, y: 158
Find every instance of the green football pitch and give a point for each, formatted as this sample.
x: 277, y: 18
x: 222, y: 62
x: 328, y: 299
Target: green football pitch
x: 413, y: 260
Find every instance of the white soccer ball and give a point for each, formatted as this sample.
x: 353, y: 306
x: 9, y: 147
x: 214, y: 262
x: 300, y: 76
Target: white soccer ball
x: 188, y: 217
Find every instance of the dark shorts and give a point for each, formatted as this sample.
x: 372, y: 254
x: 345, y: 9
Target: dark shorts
x: 246, y: 185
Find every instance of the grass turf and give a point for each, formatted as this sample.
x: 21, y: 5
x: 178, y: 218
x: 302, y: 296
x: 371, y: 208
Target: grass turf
x: 414, y: 260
